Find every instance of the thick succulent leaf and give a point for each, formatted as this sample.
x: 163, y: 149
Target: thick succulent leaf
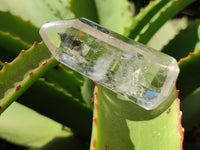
x: 20, y: 74
x: 37, y: 11
x: 1, y: 65
x: 17, y: 27
x: 66, y: 143
x: 12, y: 44
x: 188, y: 79
x: 190, y: 107
x: 87, y: 92
x: 150, y: 19
x: 86, y: 9
x: 186, y: 41
x: 114, y: 15
x: 120, y: 124
x: 60, y: 106
x: 67, y: 79
x: 59, y: 9
x: 23, y: 126
x: 167, y: 32
x: 144, y: 18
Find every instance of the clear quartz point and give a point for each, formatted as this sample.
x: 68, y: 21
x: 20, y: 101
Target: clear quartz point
x: 137, y: 72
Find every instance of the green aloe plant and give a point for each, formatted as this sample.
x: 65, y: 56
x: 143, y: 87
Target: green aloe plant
x: 45, y: 105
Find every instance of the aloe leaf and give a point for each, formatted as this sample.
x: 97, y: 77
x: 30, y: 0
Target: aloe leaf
x: 37, y: 11
x: 84, y: 8
x: 120, y: 124
x: 189, y: 69
x: 17, y: 27
x: 20, y: 74
x: 87, y: 92
x: 1, y: 65
x: 188, y: 40
x: 190, y: 107
x: 150, y: 19
x: 11, y: 43
x: 59, y: 9
x: 143, y: 18
x: 116, y: 17
x: 167, y: 32
x: 60, y: 106
x: 64, y: 78
x: 23, y: 126
x: 66, y: 143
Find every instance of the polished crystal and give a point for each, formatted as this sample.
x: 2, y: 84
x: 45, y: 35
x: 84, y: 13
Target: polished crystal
x: 137, y: 72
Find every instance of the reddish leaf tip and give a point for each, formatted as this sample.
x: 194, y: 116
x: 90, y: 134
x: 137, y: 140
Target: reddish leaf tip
x: 95, y: 120
x: 177, y: 92
x: 18, y: 87
x: 22, y: 51
x: 5, y: 64
x: 168, y: 111
x: 35, y: 43
x: 44, y: 63
x: 31, y: 73
x: 92, y: 100
x: 94, y: 144
x: 106, y: 147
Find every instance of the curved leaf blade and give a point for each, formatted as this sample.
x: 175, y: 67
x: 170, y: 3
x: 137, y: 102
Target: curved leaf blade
x: 114, y: 15
x: 189, y: 69
x: 17, y: 27
x: 120, y: 124
x: 23, y: 126
x: 86, y: 9
x: 37, y: 11
x: 15, y: 79
x: 188, y: 40
x: 60, y: 106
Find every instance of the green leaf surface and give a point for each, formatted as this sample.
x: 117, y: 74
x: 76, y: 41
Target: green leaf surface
x: 23, y: 126
x: 186, y: 41
x: 66, y: 143
x: 114, y: 15
x: 120, y: 124
x: 190, y: 107
x: 167, y: 32
x: 144, y: 17
x: 17, y: 27
x: 60, y: 106
x: 87, y: 92
x: 67, y: 79
x: 37, y: 11
x: 86, y: 9
x: 12, y: 44
x: 59, y: 9
x: 151, y: 18
x: 188, y: 79
x: 20, y: 74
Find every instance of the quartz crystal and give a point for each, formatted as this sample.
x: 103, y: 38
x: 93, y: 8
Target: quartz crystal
x: 137, y: 72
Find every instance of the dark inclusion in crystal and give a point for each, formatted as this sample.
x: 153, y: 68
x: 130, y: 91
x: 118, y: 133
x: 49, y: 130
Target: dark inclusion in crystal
x: 70, y: 41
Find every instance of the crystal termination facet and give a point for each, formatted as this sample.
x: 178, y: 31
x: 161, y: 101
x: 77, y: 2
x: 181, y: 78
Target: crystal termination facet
x: 139, y: 73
